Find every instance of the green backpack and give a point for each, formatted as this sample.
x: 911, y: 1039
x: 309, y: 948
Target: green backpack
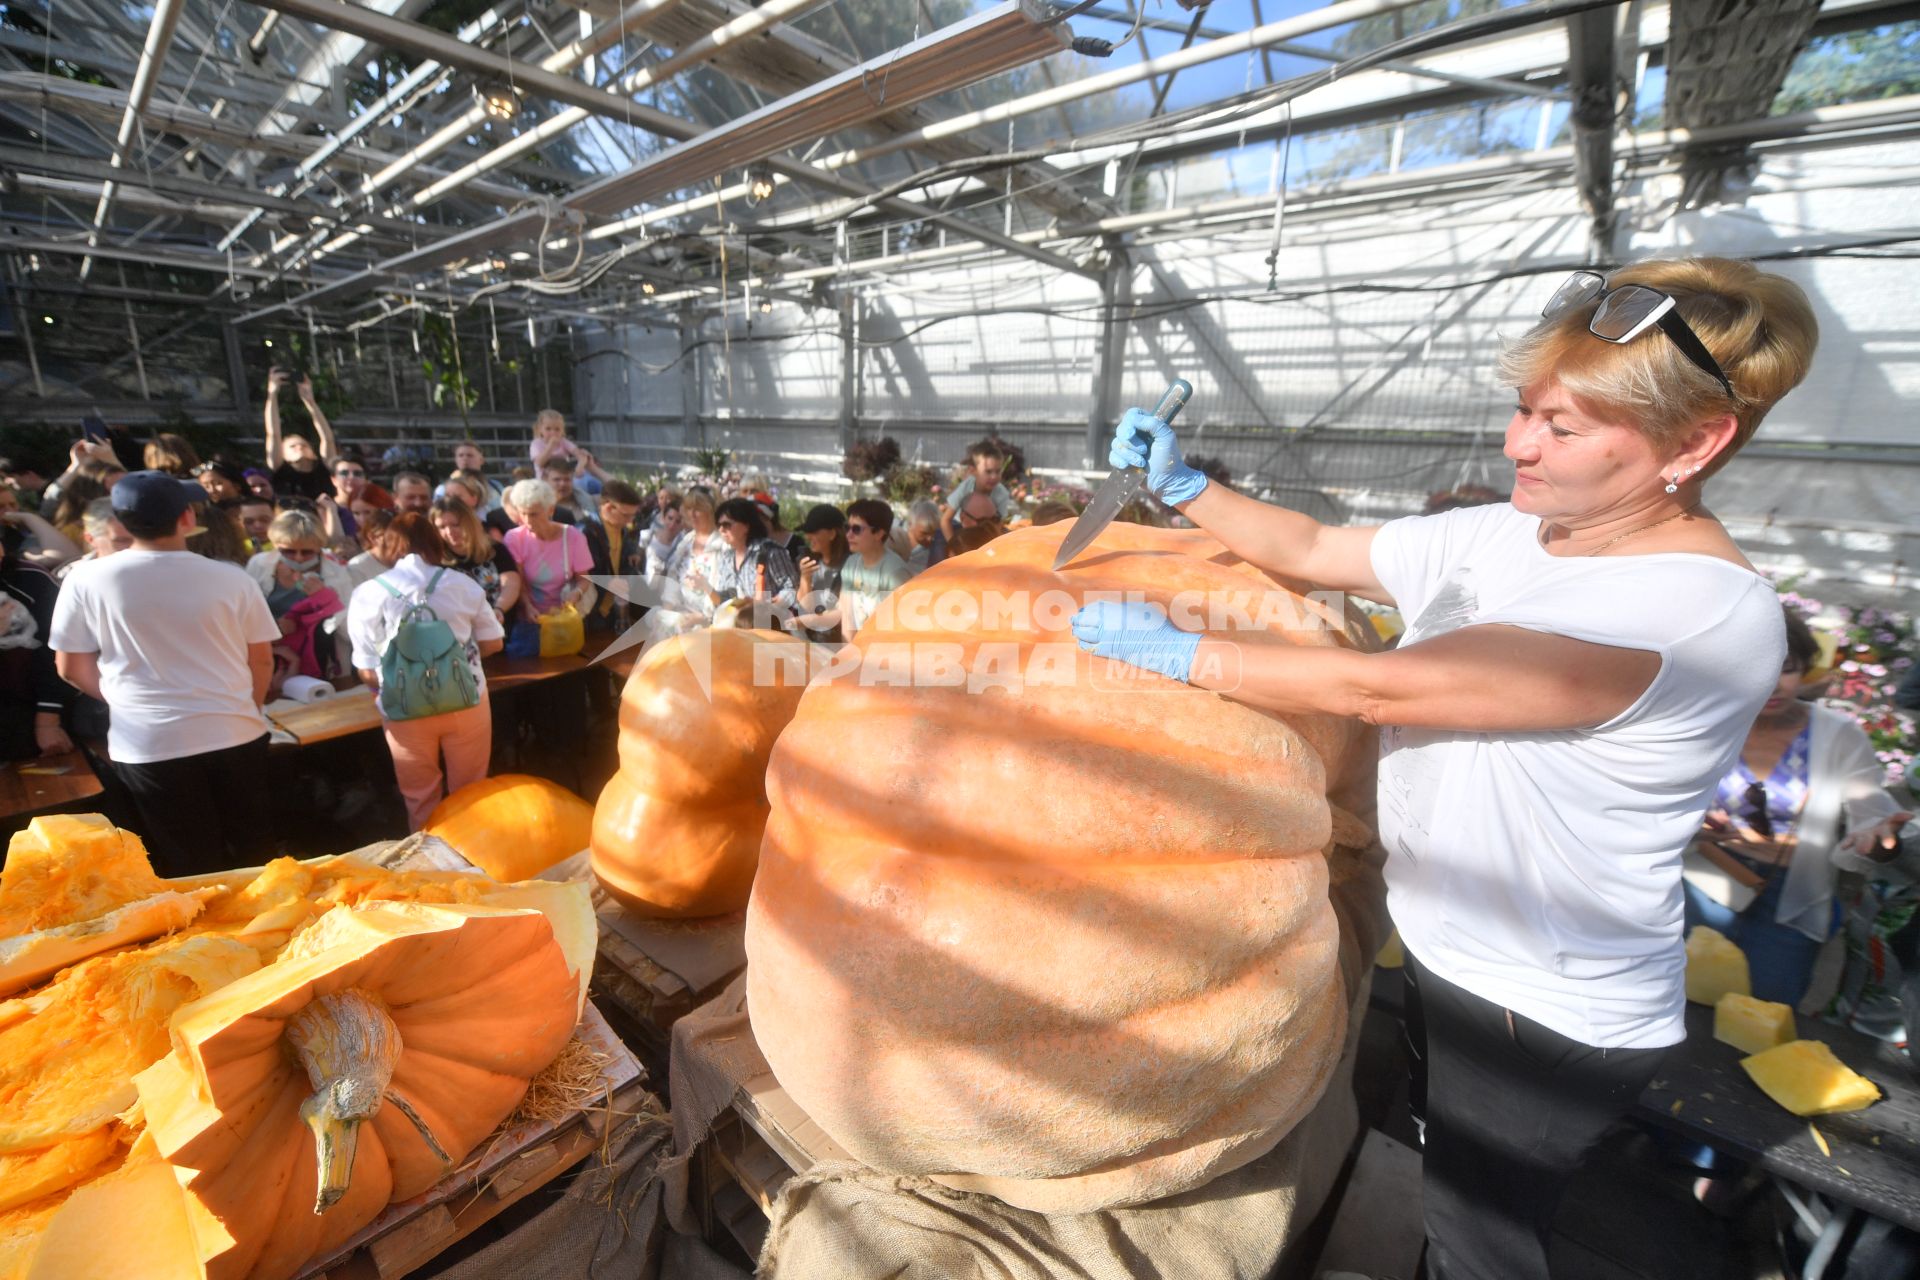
x: 424, y: 671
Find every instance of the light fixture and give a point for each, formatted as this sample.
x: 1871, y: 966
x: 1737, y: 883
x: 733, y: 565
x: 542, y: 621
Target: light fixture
x: 9, y: 182
x: 266, y: 341
x: 759, y: 182
x: 497, y: 98
x: 46, y: 319
x: 646, y: 287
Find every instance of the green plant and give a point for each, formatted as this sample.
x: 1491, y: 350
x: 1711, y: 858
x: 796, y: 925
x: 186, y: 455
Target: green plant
x: 907, y: 483
x: 447, y: 380
x: 712, y: 462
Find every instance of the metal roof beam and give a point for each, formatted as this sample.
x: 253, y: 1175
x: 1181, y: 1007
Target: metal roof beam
x: 166, y: 16
x: 1596, y: 100
x: 1007, y: 35
x: 252, y: 90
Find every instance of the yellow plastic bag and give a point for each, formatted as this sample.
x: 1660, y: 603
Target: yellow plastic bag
x: 562, y: 632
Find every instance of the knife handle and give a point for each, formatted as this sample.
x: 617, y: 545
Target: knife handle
x: 1178, y: 392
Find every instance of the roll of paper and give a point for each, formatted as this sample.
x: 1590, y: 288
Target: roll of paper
x: 305, y: 689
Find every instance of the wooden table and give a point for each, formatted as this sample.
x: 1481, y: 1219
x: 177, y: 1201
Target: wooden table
x: 46, y: 782
x: 355, y: 710
x: 1702, y: 1092
x: 505, y: 674
x: 345, y: 713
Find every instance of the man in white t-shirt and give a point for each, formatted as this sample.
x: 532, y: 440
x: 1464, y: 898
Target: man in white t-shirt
x: 178, y: 647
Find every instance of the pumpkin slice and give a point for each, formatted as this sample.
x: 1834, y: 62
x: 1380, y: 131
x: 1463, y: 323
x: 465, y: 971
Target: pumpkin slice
x: 75, y: 885
x: 25, y: 1176
x: 21, y: 1228
x: 288, y: 895
x: 1716, y: 966
x: 69, y: 1052
x: 676, y: 832
x: 513, y: 826
x: 129, y: 1223
x: 359, y: 1068
x: 1807, y: 1079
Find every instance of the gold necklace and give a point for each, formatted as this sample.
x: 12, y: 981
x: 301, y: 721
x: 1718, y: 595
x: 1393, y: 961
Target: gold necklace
x: 1641, y: 529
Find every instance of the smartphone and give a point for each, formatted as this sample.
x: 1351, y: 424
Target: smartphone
x: 93, y: 427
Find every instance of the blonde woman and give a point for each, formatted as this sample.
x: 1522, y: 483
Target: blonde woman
x: 1581, y: 669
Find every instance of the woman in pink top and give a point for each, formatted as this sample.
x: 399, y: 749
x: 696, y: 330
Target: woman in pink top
x: 553, y: 557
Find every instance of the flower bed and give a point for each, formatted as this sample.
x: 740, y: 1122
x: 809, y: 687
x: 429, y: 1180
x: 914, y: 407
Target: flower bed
x: 1873, y: 654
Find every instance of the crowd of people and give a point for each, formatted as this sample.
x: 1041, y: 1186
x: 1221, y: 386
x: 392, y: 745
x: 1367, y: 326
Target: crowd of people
x: 157, y: 600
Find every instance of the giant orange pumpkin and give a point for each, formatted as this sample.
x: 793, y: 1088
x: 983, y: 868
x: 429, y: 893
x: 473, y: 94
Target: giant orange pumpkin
x: 1069, y: 945
x: 677, y: 830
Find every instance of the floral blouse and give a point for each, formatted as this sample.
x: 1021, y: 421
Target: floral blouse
x: 1785, y: 789
x: 729, y: 580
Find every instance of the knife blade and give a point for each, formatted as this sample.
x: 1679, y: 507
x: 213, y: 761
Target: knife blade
x: 1120, y: 486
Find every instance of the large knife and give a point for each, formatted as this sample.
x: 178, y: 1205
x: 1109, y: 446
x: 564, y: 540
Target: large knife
x: 1118, y: 489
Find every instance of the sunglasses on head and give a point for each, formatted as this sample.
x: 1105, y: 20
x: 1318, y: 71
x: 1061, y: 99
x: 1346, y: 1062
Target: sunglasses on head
x: 350, y: 471
x: 1629, y: 311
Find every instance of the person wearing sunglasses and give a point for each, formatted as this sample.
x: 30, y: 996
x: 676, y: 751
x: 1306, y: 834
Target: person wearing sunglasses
x: 1804, y: 798
x: 1582, y: 664
x: 744, y: 563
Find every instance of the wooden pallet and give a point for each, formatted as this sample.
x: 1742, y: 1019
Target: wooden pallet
x: 657, y: 971
x: 519, y: 1162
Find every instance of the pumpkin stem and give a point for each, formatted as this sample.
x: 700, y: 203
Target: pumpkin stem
x: 349, y: 1046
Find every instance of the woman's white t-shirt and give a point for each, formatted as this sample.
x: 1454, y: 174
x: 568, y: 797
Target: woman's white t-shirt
x: 1541, y: 870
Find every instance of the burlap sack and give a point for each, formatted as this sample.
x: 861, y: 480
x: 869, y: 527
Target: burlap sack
x: 609, y: 1225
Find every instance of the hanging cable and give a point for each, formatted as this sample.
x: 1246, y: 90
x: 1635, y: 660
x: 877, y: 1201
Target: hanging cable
x: 1281, y: 155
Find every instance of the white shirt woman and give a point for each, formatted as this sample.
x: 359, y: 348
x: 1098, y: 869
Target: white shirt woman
x: 464, y: 738
x: 1582, y: 668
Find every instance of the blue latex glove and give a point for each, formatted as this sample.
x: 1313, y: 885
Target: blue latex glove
x: 1142, y: 440
x: 1136, y: 633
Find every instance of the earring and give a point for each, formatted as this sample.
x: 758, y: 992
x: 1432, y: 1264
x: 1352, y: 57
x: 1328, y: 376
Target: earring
x: 1673, y: 485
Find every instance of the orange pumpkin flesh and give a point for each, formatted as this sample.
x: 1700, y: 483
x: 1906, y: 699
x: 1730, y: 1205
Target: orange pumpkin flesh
x: 1071, y: 947
x: 478, y: 999
x: 676, y: 832
x: 513, y: 826
x: 74, y: 886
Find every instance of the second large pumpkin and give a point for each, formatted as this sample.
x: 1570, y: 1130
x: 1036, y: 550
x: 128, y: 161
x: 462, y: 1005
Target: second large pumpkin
x: 677, y: 830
